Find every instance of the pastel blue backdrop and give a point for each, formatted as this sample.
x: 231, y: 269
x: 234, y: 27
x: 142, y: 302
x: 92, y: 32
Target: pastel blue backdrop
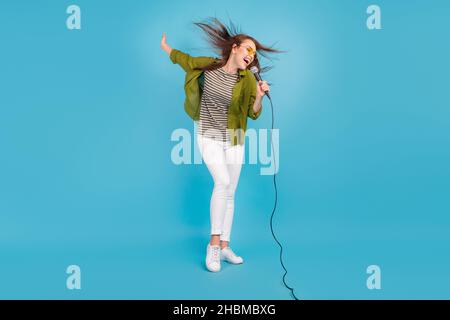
x: 86, y: 176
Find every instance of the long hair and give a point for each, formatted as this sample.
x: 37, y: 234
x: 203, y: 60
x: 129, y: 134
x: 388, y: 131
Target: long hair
x: 223, y: 37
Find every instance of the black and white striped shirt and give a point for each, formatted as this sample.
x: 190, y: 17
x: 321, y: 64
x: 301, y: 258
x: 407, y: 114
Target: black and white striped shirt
x: 216, y: 99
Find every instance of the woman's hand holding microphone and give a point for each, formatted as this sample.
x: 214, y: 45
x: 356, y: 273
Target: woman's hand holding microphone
x: 262, y: 88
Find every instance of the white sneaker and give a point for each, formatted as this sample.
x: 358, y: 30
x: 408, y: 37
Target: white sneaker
x: 213, y: 258
x: 229, y: 256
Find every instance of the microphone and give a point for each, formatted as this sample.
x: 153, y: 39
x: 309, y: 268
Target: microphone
x: 255, y: 72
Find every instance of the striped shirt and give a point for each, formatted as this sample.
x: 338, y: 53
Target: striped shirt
x: 216, y: 99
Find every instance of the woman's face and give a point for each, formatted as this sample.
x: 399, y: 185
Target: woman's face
x: 244, y: 54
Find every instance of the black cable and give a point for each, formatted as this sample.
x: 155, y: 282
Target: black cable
x: 275, y: 206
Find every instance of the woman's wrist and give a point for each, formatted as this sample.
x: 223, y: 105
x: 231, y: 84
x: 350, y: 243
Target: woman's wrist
x: 257, y: 105
x: 167, y: 49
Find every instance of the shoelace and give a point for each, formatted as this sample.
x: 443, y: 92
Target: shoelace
x: 215, y: 252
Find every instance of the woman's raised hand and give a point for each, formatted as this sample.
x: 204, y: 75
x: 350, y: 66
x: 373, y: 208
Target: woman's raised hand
x: 164, y: 44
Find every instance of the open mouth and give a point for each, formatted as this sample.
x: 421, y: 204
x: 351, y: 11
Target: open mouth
x: 246, y: 60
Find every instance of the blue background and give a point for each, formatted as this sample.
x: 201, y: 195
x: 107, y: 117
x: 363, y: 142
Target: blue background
x: 86, y: 176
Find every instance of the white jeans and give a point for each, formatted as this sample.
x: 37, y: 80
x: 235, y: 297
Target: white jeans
x: 224, y: 163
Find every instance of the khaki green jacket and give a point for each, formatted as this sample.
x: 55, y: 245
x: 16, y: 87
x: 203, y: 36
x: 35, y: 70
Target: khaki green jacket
x: 242, y: 100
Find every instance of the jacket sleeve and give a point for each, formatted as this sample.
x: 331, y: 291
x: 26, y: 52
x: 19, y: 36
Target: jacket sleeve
x: 189, y: 63
x: 251, y: 113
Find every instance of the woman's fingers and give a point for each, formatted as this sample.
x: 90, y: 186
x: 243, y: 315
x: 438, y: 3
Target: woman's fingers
x: 164, y: 40
x: 164, y: 44
x: 263, y: 85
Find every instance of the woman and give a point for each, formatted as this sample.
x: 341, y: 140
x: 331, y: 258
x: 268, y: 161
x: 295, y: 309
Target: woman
x: 220, y: 94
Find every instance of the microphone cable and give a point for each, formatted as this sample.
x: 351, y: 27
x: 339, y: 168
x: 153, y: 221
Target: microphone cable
x: 275, y: 205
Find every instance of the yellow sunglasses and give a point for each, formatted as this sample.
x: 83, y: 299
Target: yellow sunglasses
x: 250, y: 51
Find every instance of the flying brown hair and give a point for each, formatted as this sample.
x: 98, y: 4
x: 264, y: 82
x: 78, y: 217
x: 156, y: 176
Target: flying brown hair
x: 222, y: 39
